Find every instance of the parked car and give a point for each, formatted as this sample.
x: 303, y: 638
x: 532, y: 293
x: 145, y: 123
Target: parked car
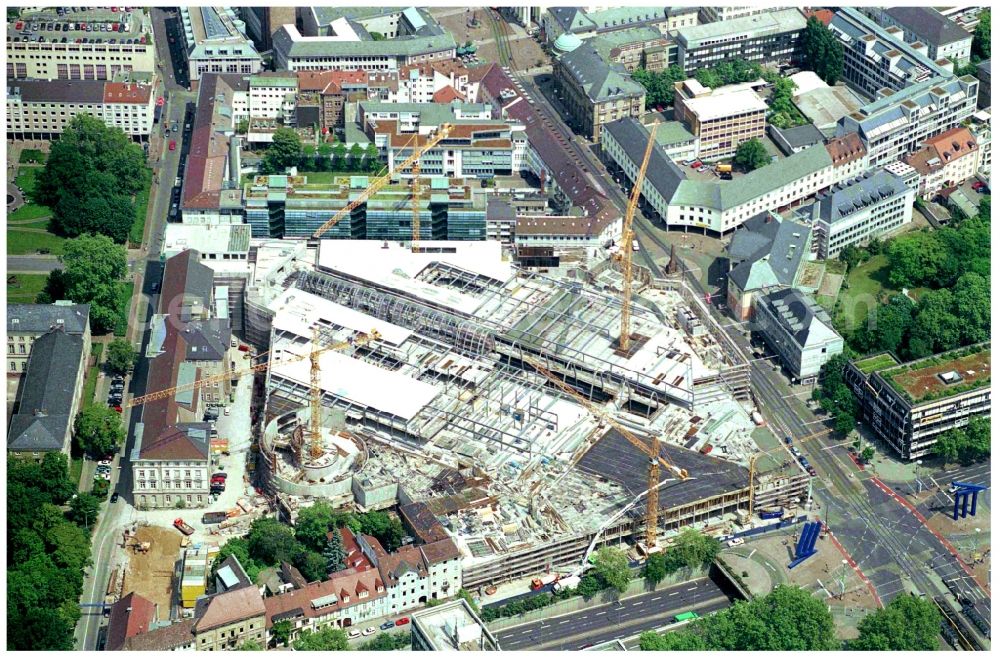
x: 696, y: 164
x: 117, y: 408
x: 104, y: 462
x: 220, y: 475
x: 114, y: 497
x: 354, y: 633
x: 225, y: 411
x: 703, y: 168
x: 387, y: 625
x: 732, y: 543
x: 403, y: 621
x: 173, y: 145
x: 370, y: 630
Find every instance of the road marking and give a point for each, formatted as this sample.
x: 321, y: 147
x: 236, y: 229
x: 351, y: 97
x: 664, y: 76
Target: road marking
x: 548, y: 625
x: 692, y: 588
x: 674, y: 593
x: 657, y: 598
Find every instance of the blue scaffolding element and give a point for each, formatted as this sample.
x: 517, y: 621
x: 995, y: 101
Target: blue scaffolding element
x: 806, y: 547
x: 962, y: 497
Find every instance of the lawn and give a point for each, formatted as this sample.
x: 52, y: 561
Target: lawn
x: 75, y: 469
x: 30, y: 212
x: 32, y: 156
x: 875, y: 362
x: 862, y: 292
x: 90, y: 385
x: 126, y: 301
x: 25, y: 179
x: 27, y: 288
x: 31, y: 242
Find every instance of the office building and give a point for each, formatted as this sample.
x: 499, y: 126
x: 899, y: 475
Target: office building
x: 798, y: 330
x: 262, y: 22
x: 769, y: 37
x: 50, y: 396
x: 945, y: 161
x: 342, y: 38
x: 632, y: 48
x: 596, y: 92
x: 216, y: 42
x: 853, y: 212
x: 794, y: 139
x: 896, y: 125
x: 720, y: 14
x: 723, y: 118
x: 41, y: 109
x: 557, y: 21
x: 909, y: 405
x: 28, y: 322
x: 89, y: 44
x: 942, y: 37
x: 879, y: 61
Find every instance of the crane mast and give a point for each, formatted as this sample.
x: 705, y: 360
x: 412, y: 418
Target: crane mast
x: 626, y: 243
x: 315, y: 400
x: 381, y: 182
x: 652, y: 450
x: 415, y: 206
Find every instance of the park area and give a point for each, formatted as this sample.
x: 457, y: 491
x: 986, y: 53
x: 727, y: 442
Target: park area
x: 27, y: 226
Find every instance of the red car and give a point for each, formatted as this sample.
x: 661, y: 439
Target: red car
x: 402, y: 622
x: 173, y: 144
x: 696, y: 164
x: 118, y: 409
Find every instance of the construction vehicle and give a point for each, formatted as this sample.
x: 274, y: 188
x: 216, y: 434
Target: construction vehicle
x: 652, y: 450
x: 359, y: 339
x: 214, y: 517
x: 183, y: 527
x: 443, y: 131
x: 724, y: 168
x: 628, y: 238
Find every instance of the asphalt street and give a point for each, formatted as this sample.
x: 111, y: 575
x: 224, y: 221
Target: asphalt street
x: 607, y: 621
x: 32, y: 263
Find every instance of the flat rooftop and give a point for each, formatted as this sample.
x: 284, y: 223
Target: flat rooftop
x: 875, y: 362
x: 921, y: 381
x: 453, y: 626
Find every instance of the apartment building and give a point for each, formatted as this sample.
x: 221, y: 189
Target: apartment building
x: 88, y: 44
x: 981, y: 130
x: 718, y: 207
x: 798, y: 330
x: 896, y: 125
x: 910, y: 404
x: 983, y: 74
x: 769, y: 37
x: 879, y: 61
x: 632, y: 48
x: 557, y: 21
x: 41, y: 109
x: 50, y: 396
x: 341, y: 38
x: 216, y: 42
x: 596, y: 92
x: 272, y: 95
x: 721, y: 14
x: 723, y: 118
x: 943, y: 38
x: 228, y: 620
x: 855, y: 211
x: 26, y: 323
x: 945, y: 160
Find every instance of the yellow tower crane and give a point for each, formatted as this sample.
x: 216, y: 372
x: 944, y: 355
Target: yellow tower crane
x: 381, y: 182
x: 415, y: 206
x: 315, y: 400
x: 652, y: 450
x: 625, y: 253
x: 359, y: 339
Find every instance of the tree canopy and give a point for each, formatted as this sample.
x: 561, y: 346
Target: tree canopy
x: 751, y: 155
x: 326, y: 639
x: 966, y: 445
x: 822, y: 51
x: 981, y: 37
x: 121, y: 356
x: 98, y: 430
x: 89, y: 179
x: 93, y: 273
x: 611, y: 564
x: 835, y: 396
x: 284, y: 151
x: 787, y: 619
x: 908, y: 623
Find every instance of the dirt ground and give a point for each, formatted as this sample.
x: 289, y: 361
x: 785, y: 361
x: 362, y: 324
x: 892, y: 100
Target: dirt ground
x: 151, y: 574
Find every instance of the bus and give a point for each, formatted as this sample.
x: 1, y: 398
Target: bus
x: 687, y: 616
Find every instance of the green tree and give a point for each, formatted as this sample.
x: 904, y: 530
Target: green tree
x: 751, y: 155
x: 249, y: 645
x: 94, y: 268
x: 271, y: 542
x: 611, y: 565
x: 240, y: 547
x: 981, y: 37
x: 357, y: 156
x: 822, y: 52
x: 387, y: 529
x: 387, y: 642
x: 83, y: 509
x: 465, y: 595
x: 54, y: 474
x: 284, y: 151
x: 908, y: 623
x: 282, y: 631
x: 121, y: 356
x: 311, y: 564
x: 972, y: 306
x: 783, y: 112
x: 313, y: 523
x: 867, y: 454
x: 98, y: 430
x: 936, y: 322
x: 655, y: 568
x: 377, y: 36
x: 693, y: 549
x: 335, y: 553
x: 835, y: 396
x: 852, y: 256
x: 340, y: 157
x: 89, y: 179
x: 679, y: 640
x: 977, y: 435
x: 947, y: 445
x: 915, y: 259
x: 326, y: 639
x: 372, y: 161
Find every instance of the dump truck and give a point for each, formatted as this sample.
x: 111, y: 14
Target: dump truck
x: 183, y: 527
x: 214, y: 517
x: 568, y: 582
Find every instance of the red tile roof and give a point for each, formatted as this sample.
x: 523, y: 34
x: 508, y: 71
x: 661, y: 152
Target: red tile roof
x: 329, y: 82
x: 824, y: 16
x: 130, y: 616
x: 230, y: 607
x: 131, y: 93
x: 298, y: 602
x: 447, y: 95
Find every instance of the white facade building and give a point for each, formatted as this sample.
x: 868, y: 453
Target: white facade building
x: 41, y: 109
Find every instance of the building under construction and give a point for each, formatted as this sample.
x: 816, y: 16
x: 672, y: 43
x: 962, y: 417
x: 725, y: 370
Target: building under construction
x: 446, y: 410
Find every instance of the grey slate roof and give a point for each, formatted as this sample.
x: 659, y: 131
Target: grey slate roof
x: 43, y: 417
x: 598, y: 79
x: 796, y: 137
x: 770, y: 249
x: 39, y: 319
x: 206, y: 339
x: 929, y: 25
x: 799, y: 314
x: 846, y: 199
x: 662, y: 173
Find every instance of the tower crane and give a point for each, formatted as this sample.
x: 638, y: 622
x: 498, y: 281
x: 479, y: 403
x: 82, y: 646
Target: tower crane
x: 651, y: 449
x: 625, y: 253
x: 359, y: 339
x: 443, y: 131
x: 415, y: 206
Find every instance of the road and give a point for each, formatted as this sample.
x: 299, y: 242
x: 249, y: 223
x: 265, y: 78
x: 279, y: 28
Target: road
x: 148, y: 269
x: 37, y: 263
x: 607, y: 621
